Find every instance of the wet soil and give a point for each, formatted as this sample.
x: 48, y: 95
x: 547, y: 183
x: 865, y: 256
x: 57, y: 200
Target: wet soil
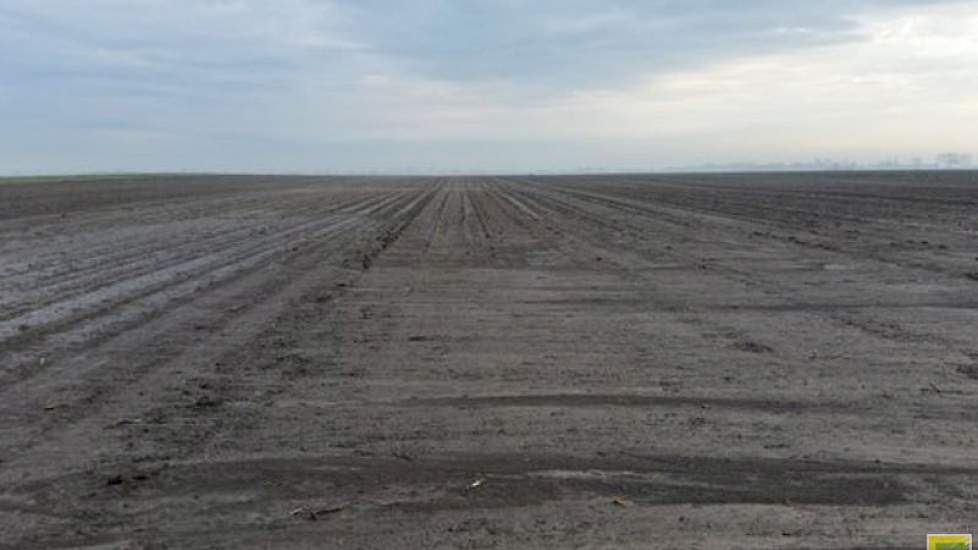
x: 632, y: 361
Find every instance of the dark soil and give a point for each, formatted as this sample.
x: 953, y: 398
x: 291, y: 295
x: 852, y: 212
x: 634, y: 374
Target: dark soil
x: 728, y: 361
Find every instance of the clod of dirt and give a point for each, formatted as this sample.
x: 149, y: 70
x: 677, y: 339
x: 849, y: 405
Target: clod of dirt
x: 753, y: 347
x: 971, y: 371
x: 206, y: 402
x: 313, y: 515
x: 403, y: 456
x: 126, y: 422
x: 114, y: 480
x: 622, y: 501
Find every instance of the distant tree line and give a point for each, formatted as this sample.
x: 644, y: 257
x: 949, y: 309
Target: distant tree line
x: 954, y: 160
x: 943, y: 161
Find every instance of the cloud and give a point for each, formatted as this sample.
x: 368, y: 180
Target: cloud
x: 318, y: 85
x: 579, y: 43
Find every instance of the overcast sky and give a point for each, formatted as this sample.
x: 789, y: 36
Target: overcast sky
x: 480, y: 85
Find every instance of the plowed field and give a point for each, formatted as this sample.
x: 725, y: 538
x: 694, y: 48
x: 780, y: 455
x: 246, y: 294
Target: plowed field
x: 724, y: 361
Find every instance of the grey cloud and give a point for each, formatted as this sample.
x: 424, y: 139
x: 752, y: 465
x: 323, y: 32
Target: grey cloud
x: 538, y: 41
x: 198, y: 79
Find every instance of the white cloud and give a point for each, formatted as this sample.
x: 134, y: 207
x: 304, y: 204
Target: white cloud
x: 212, y: 82
x: 907, y: 88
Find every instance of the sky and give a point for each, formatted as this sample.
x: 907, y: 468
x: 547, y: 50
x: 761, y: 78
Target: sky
x: 333, y: 86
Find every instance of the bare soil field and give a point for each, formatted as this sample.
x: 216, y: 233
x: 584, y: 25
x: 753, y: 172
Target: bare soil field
x: 633, y: 361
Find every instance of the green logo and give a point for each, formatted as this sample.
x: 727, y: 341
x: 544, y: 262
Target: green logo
x: 949, y: 542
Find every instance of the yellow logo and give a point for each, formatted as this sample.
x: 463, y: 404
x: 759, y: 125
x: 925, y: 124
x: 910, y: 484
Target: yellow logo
x: 948, y: 542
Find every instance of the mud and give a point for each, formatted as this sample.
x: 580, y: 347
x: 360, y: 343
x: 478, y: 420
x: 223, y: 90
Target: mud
x: 633, y: 361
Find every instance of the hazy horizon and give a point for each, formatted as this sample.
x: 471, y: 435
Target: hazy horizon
x: 315, y: 86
